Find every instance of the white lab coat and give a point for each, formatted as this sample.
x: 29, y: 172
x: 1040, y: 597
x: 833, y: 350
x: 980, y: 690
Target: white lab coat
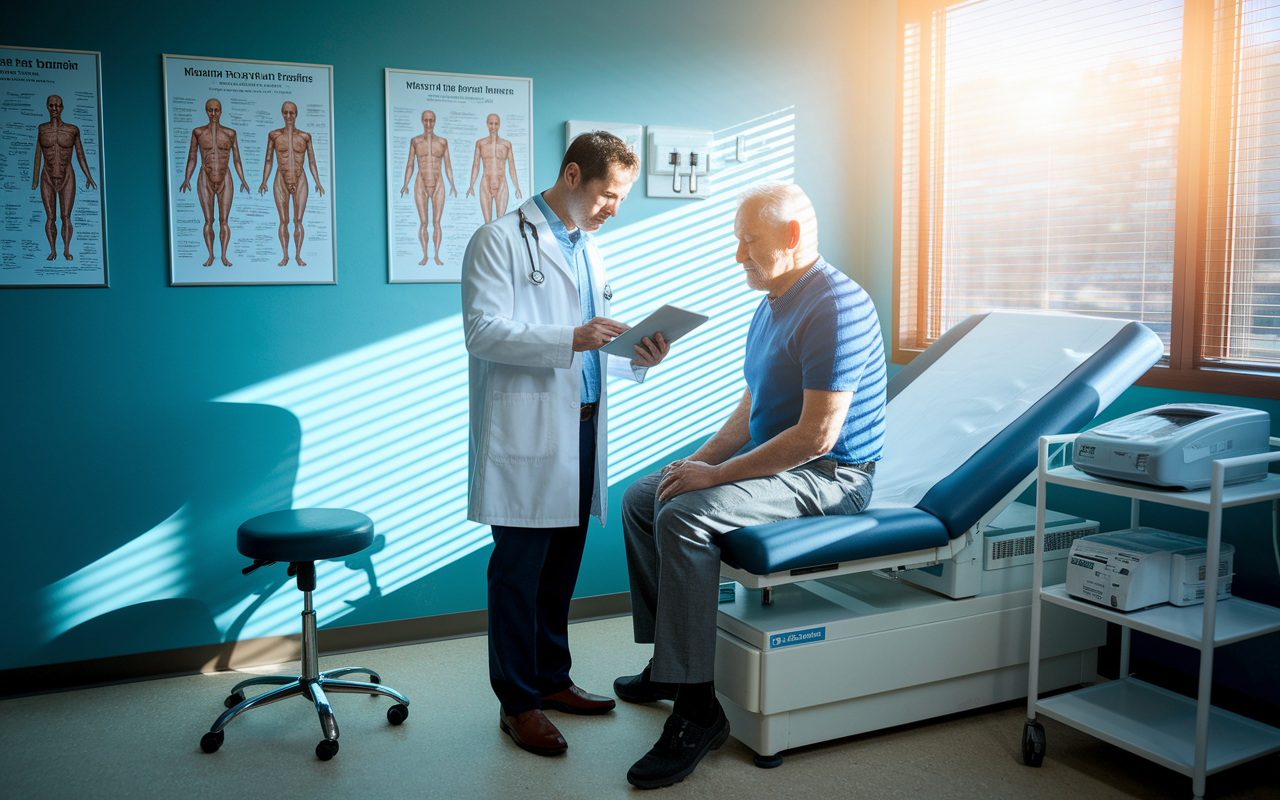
x: 525, y: 378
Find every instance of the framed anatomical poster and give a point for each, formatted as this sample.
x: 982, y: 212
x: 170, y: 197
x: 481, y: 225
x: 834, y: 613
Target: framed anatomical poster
x: 459, y: 155
x: 53, y: 226
x: 250, y: 172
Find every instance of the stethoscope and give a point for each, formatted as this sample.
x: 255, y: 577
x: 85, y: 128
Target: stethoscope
x: 535, y: 274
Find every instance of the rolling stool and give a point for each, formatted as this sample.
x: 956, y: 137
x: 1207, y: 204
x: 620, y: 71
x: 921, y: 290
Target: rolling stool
x: 302, y: 537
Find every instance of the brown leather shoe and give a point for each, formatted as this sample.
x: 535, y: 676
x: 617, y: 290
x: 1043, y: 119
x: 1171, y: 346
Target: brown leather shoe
x: 575, y: 701
x: 533, y: 732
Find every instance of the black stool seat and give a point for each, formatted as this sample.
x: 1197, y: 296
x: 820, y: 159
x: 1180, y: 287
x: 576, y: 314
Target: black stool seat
x: 305, y: 534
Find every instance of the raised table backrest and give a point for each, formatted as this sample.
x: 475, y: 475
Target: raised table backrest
x: 965, y: 416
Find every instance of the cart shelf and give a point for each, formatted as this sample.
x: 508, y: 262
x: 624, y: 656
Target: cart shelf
x: 1238, y: 619
x: 1160, y: 725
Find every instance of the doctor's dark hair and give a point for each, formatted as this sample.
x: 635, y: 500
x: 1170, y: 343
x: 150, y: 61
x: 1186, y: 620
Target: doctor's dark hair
x: 596, y: 153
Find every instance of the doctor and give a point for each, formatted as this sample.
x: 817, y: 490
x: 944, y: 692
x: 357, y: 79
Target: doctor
x: 535, y: 313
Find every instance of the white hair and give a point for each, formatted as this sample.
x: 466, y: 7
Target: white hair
x: 780, y: 203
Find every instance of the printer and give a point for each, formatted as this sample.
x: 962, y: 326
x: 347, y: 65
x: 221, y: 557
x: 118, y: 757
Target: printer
x: 1142, y: 567
x: 1175, y: 445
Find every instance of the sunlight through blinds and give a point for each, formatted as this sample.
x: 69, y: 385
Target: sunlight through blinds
x: 1055, y: 127
x: 909, y: 258
x: 1241, y: 297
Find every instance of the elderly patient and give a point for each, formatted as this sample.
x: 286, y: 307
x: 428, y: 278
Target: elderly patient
x: 803, y: 441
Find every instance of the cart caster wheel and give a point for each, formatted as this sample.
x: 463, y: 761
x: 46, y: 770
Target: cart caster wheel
x: 234, y: 700
x: 211, y: 741
x: 327, y: 749
x: 1033, y: 744
x: 397, y: 713
x: 768, y: 762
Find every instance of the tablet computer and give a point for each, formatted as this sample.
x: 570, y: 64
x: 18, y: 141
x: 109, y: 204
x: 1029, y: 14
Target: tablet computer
x: 671, y: 321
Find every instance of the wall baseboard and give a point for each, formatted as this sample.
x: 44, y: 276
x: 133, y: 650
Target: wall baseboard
x: 273, y: 649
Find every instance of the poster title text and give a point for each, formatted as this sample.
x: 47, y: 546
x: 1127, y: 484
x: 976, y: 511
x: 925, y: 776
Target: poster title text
x: 461, y: 88
x: 192, y: 72
x: 38, y: 63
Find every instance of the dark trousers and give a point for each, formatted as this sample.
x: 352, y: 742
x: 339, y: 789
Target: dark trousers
x: 532, y: 572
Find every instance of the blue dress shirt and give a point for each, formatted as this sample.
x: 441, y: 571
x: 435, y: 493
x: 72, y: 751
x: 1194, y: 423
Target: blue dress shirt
x: 573, y: 246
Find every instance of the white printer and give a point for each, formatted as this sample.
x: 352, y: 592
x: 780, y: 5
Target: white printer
x: 1142, y: 567
x: 1175, y: 445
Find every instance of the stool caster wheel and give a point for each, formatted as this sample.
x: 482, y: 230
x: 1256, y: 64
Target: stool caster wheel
x: 327, y: 749
x: 768, y: 762
x: 1033, y: 743
x: 234, y: 700
x: 375, y: 679
x: 397, y: 713
x: 211, y: 741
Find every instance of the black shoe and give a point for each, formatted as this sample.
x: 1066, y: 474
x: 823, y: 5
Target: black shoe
x: 639, y: 689
x: 678, y: 751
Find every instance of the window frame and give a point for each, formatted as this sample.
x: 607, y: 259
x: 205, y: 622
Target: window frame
x: 1183, y: 369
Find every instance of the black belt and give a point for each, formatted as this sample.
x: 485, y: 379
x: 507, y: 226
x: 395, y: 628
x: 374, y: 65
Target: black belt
x: 588, y: 411
x: 868, y: 467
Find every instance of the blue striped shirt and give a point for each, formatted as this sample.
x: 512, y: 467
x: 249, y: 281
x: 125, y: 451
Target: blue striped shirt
x: 823, y: 334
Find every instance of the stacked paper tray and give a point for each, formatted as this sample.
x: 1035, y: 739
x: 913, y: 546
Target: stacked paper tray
x: 727, y: 590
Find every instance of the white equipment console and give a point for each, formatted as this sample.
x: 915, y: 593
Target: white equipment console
x: 1143, y: 567
x: 1008, y: 542
x: 1175, y: 445
x: 875, y: 652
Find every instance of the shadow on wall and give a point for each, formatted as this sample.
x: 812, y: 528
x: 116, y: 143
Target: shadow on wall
x: 382, y: 430
x: 209, y: 467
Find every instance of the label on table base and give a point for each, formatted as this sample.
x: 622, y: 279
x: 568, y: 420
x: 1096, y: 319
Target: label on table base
x: 797, y: 637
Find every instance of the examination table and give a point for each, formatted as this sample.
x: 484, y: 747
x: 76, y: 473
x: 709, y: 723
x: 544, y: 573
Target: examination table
x: 859, y: 623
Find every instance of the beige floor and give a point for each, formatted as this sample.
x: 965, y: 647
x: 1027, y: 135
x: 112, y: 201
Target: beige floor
x: 141, y: 740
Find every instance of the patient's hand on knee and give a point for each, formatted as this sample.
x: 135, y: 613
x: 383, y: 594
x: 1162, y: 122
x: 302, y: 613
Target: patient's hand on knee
x: 685, y: 475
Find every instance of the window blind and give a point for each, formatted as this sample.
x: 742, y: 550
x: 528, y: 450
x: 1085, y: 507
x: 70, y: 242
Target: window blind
x: 1240, y: 309
x: 909, y: 230
x: 1053, y: 136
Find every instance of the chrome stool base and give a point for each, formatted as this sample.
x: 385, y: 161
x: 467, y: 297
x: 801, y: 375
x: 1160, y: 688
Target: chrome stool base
x: 311, y: 684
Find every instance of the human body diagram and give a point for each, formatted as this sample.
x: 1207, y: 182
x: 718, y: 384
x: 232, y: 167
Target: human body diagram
x: 493, y: 155
x: 431, y: 153
x: 216, y: 148
x: 290, y: 147
x: 54, y: 175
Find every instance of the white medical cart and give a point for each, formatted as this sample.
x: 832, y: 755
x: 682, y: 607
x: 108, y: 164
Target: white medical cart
x: 1186, y: 735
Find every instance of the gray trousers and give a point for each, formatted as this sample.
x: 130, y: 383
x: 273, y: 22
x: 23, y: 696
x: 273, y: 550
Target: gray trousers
x: 673, y: 558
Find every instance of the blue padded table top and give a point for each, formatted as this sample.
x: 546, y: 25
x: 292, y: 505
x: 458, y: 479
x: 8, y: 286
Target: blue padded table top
x: 305, y: 534
x: 811, y: 541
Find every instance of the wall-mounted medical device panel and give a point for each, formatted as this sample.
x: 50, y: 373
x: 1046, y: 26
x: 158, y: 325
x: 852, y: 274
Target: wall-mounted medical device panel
x: 679, y: 162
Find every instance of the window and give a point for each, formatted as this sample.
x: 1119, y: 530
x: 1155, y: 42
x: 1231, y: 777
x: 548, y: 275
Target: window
x: 1241, y: 296
x: 1112, y: 158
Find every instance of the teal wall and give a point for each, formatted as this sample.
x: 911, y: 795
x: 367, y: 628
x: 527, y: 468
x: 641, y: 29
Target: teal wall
x: 122, y: 482
x: 110, y: 431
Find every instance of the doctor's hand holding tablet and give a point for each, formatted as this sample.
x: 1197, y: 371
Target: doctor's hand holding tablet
x: 596, y: 333
x: 615, y: 338
x: 601, y: 331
